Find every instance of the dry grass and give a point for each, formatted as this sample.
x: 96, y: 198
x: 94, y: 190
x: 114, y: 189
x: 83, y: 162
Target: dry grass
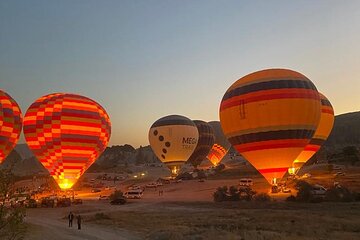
x: 241, y: 221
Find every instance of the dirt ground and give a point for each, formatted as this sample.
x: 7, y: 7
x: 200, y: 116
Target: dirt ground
x: 187, y: 211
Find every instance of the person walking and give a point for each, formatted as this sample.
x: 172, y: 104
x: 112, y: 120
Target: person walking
x: 70, y: 218
x: 79, y: 221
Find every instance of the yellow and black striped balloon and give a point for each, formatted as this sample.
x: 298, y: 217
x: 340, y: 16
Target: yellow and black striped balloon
x: 269, y: 116
x: 322, y: 133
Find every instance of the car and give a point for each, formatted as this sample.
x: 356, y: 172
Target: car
x: 318, y: 190
x: 151, y: 185
x: 118, y: 201
x: 95, y: 190
x: 245, y: 182
x: 103, y: 197
x: 159, y: 184
x: 134, y: 194
x: 178, y: 181
x: 201, y: 180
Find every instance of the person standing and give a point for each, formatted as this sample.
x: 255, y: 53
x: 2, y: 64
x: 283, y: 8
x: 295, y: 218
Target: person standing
x: 70, y: 218
x: 79, y: 221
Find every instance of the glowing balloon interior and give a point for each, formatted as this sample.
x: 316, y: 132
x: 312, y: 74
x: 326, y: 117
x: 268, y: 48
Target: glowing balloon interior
x: 67, y: 133
x: 269, y: 117
x: 10, y: 124
x: 221, y: 145
x: 322, y: 133
x: 173, y: 139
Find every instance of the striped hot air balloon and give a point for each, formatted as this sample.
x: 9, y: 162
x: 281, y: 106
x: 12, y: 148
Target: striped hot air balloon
x: 173, y: 139
x: 322, y: 132
x: 67, y: 133
x: 269, y: 116
x: 205, y: 143
x: 221, y: 145
x: 10, y: 124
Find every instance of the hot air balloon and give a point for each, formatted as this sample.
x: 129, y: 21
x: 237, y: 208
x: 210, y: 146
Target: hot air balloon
x: 221, y: 145
x: 10, y: 124
x: 173, y: 139
x: 67, y: 133
x: 269, y: 116
x: 321, y: 134
x: 206, y: 141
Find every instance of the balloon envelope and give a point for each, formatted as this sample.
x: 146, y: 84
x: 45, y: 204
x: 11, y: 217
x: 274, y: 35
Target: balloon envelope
x: 173, y: 139
x: 322, y: 132
x: 67, y: 133
x: 10, y: 124
x: 221, y: 145
x: 269, y: 116
x: 205, y: 143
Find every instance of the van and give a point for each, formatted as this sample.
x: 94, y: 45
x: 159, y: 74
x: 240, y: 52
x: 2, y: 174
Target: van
x: 134, y: 194
x: 246, y: 182
x: 318, y: 190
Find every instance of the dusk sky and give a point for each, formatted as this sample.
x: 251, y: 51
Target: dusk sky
x: 142, y: 60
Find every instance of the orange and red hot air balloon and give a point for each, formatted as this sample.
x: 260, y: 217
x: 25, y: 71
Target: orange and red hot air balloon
x: 67, y: 133
x: 322, y: 132
x: 10, y: 124
x: 269, y: 116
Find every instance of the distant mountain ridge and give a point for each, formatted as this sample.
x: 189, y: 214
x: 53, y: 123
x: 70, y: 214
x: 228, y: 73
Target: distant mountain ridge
x: 346, y: 132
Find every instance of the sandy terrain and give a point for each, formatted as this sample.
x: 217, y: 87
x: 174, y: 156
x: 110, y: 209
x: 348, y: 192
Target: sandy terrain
x: 186, y: 211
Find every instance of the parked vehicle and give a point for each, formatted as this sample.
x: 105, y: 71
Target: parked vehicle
x: 151, y: 185
x: 95, y: 190
x: 246, y: 182
x: 134, y: 194
x: 318, y: 190
x: 104, y: 197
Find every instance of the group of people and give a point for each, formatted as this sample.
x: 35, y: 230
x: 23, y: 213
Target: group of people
x: 71, y: 217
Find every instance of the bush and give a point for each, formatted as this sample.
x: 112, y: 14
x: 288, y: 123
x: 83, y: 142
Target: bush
x: 304, y: 191
x: 220, y: 194
x: 339, y: 194
x: 262, y: 197
x: 246, y: 194
x: 116, y: 195
x: 291, y: 198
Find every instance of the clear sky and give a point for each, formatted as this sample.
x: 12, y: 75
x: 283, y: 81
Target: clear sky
x: 146, y: 59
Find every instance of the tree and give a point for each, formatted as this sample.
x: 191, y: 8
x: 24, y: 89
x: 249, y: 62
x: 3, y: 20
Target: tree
x: 351, y: 154
x: 12, y: 225
x: 140, y: 157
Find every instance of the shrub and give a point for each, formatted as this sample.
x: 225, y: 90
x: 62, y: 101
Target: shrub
x: 304, y: 191
x: 246, y: 194
x: 291, y: 198
x: 262, y: 197
x: 339, y: 194
x: 116, y: 195
x: 220, y: 194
